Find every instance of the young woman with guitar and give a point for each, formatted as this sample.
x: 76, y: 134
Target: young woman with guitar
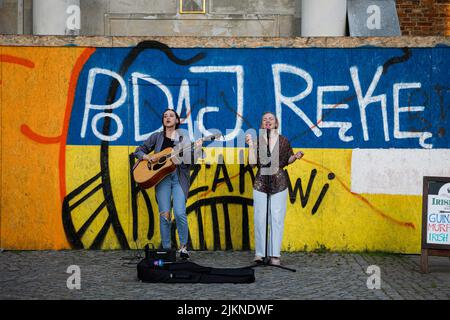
x: 174, y: 185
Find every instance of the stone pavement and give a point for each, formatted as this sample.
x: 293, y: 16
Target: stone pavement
x: 112, y: 275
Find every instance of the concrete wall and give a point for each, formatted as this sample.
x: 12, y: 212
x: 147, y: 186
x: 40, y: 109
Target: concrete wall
x: 371, y: 116
x: 223, y: 18
x: 9, y: 17
x: 162, y: 18
x: 226, y: 17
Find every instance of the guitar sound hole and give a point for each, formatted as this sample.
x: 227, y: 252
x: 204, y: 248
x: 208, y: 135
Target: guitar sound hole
x: 162, y: 160
x: 160, y: 163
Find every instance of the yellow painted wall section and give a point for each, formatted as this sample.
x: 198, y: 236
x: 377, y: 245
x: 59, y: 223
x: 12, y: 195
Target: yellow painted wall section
x: 344, y: 221
x: 34, y: 90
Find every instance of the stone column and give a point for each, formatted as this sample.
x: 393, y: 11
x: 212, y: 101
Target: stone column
x: 56, y: 17
x: 323, y: 18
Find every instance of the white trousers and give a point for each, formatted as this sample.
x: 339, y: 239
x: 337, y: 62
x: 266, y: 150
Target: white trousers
x: 276, y: 222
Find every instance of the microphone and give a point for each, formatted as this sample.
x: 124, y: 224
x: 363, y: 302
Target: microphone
x: 180, y: 139
x: 160, y: 263
x: 267, y: 126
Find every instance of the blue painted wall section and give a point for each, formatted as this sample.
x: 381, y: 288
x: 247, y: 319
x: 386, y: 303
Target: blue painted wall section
x: 325, y: 98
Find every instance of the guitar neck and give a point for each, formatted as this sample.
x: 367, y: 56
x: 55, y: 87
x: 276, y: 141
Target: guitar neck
x: 192, y: 145
x: 177, y: 152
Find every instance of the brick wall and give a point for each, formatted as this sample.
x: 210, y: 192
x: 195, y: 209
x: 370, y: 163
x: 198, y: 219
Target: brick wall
x: 424, y: 17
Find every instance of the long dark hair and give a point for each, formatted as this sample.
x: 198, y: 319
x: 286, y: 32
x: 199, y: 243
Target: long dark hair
x: 177, y: 125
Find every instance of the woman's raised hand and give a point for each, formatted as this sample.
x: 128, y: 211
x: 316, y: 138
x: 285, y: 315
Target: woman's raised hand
x: 249, y: 140
x: 298, y: 155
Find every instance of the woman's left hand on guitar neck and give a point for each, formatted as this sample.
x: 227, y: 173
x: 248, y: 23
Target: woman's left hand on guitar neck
x: 150, y: 158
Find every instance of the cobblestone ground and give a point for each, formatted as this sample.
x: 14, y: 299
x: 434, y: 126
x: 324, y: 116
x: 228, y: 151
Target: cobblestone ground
x: 112, y: 275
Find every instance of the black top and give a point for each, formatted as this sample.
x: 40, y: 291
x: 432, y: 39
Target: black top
x: 167, y: 143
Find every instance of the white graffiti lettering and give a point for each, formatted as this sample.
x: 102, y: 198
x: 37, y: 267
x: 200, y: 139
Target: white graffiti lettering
x: 239, y: 70
x: 343, y: 126
x: 367, y: 99
x: 280, y: 99
x: 293, y: 103
x: 89, y: 105
x: 422, y: 136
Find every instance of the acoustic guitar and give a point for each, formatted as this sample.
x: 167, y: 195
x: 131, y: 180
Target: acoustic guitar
x: 147, y: 173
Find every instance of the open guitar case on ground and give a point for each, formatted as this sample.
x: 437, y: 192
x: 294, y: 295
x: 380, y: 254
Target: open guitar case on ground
x: 148, y: 270
x: 160, y: 267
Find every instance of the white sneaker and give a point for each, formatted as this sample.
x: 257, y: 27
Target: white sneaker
x: 275, y: 261
x: 184, y: 254
x: 258, y: 259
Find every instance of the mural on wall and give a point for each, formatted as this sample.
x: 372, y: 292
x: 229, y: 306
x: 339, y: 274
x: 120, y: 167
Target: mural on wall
x: 371, y: 121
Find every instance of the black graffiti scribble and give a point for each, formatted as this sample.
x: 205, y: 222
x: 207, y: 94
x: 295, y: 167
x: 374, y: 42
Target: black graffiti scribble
x: 221, y: 167
x: 416, y: 115
x: 243, y: 169
x: 147, y: 105
x: 225, y: 201
x: 135, y: 190
x: 407, y: 53
x: 322, y: 194
x: 304, y: 196
x: 443, y: 108
x: 113, y: 218
x: 196, y: 169
x: 227, y: 105
x: 153, y: 110
x: 74, y: 236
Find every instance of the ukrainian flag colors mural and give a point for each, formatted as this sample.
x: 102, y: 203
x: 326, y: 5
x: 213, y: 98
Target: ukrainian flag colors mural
x: 371, y: 122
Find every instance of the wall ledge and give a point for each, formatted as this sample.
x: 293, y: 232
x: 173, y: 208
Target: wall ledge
x: 224, y: 42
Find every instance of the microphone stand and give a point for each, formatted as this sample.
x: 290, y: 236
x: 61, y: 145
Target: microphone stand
x: 266, y: 259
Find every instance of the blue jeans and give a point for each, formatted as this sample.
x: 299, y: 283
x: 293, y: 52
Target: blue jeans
x: 169, y: 189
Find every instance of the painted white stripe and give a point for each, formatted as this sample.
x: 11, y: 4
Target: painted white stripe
x: 396, y: 171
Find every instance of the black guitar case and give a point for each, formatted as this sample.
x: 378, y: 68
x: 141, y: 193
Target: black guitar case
x: 149, y: 270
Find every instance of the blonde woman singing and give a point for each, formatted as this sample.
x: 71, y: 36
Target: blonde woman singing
x: 274, y: 183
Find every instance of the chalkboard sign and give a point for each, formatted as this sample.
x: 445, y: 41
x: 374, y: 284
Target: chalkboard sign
x: 373, y: 18
x: 435, y: 218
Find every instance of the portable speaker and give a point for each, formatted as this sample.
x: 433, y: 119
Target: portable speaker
x: 167, y: 255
